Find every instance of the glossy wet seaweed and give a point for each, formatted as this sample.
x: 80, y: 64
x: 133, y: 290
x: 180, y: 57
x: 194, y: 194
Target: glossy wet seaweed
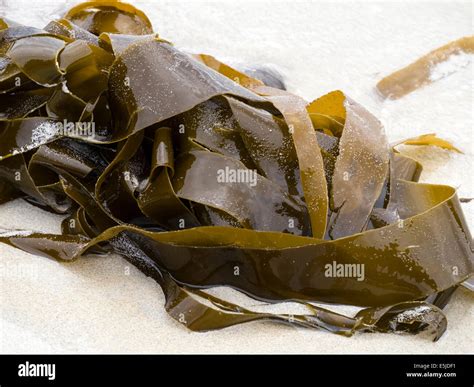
x: 328, y: 188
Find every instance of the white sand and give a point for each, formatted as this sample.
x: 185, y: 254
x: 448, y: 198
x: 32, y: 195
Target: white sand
x: 93, y: 306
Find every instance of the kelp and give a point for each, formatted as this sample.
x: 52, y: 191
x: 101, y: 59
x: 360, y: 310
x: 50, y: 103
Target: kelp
x: 430, y: 139
x: 419, y: 73
x: 203, y: 176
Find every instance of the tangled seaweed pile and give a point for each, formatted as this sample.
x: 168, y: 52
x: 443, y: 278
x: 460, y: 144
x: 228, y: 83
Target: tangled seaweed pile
x: 202, y: 176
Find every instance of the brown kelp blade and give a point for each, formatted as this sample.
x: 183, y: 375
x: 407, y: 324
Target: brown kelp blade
x: 419, y: 73
x: 430, y: 139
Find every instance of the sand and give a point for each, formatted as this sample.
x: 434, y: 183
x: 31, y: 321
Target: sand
x: 102, y: 305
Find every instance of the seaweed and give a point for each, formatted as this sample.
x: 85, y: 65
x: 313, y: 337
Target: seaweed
x: 419, y: 73
x: 203, y: 176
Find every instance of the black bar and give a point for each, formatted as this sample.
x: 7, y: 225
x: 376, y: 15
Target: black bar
x: 320, y: 370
